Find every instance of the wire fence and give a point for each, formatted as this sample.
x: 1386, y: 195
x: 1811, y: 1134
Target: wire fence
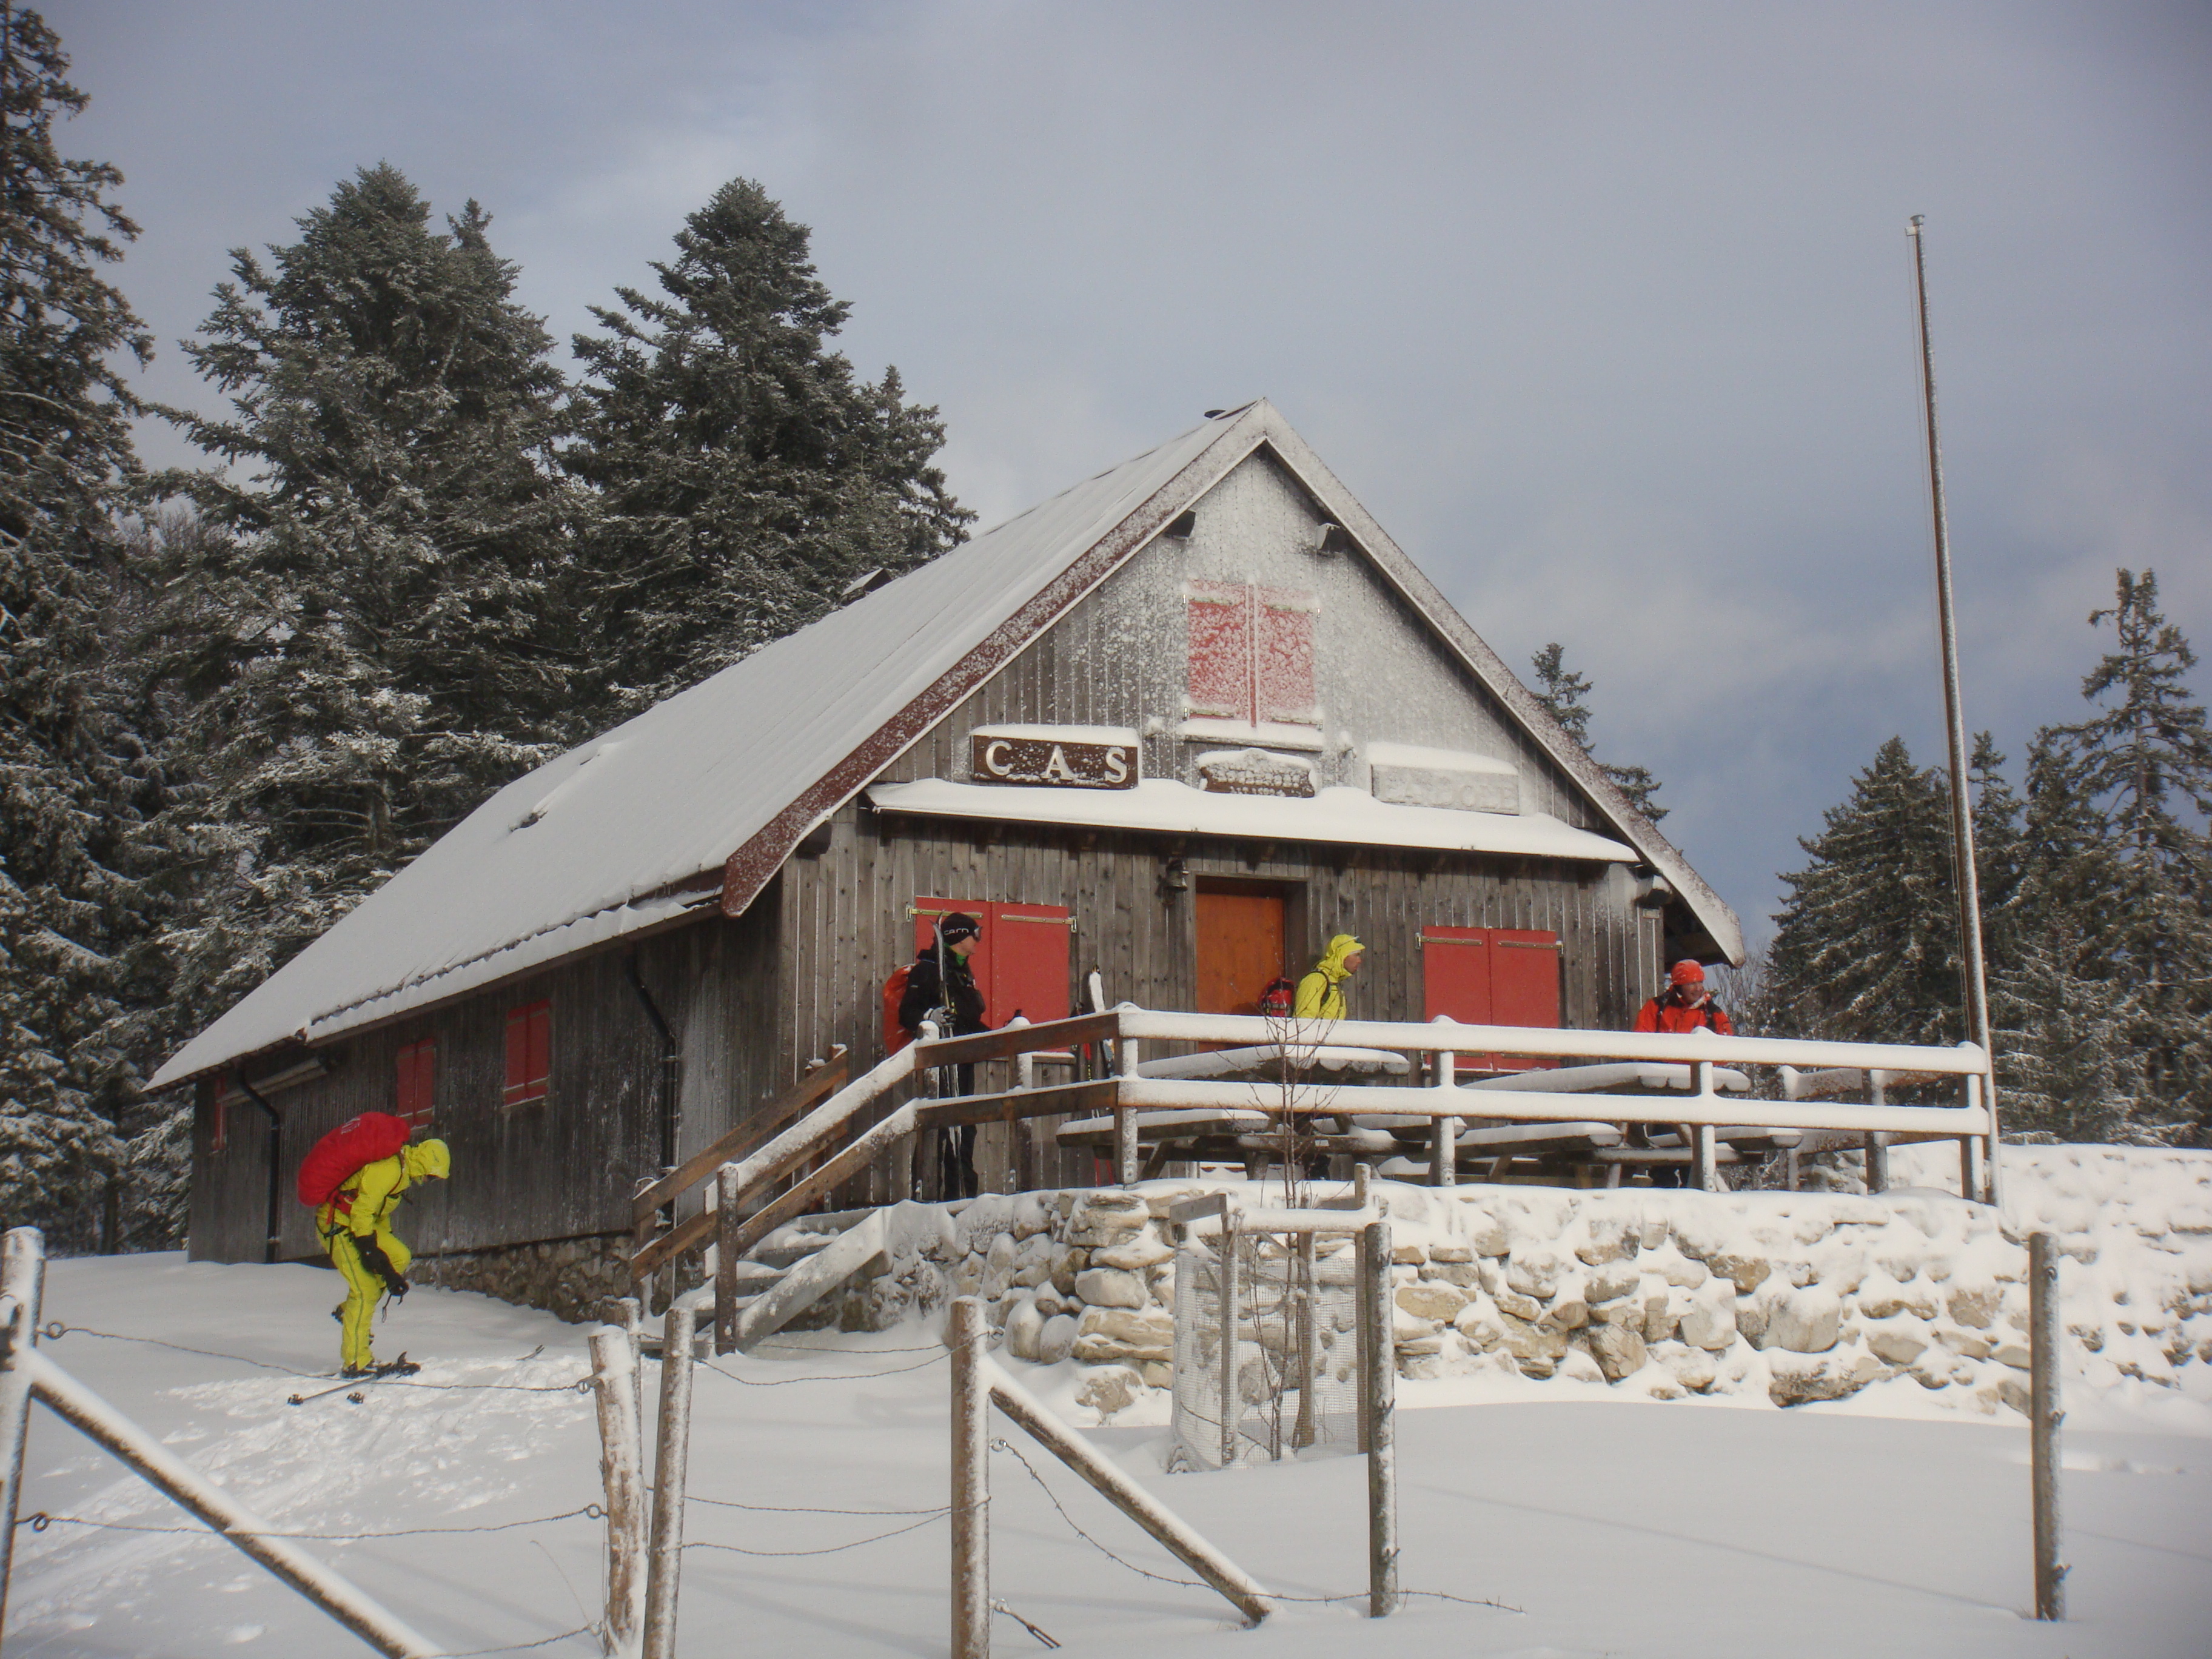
x: 1015, y: 1452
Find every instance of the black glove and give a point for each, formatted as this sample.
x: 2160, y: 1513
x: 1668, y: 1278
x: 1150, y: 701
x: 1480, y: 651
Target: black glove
x: 374, y: 1258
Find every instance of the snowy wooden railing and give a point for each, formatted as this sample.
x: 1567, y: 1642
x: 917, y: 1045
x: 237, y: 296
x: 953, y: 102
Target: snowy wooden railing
x: 842, y: 1135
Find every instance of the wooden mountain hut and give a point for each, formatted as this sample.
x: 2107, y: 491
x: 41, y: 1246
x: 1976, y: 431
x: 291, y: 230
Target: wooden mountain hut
x: 1175, y: 726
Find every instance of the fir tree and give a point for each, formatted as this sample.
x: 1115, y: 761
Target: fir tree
x: 75, y: 781
x: 1566, y: 693
x: 2068, y: 1065
x: 744, y: 474
x: 1866, y: 945
x: 359, y: 621
x: 2127, y: 796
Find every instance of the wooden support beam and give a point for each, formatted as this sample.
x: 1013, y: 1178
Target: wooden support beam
x: 1098, y: 1095
x: 848, y: 1161
x: 1011, y: 1041
x: 818, y: 1085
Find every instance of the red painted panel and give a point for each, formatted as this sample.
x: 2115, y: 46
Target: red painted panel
x: 1020, y: 961
x: 417, y: 1082
x: 529, y: 1052
x: 1524, y: 987
x: 1283, y: 656
x: 1240, y: 949
x: 1221, y: 649
x: 1455, y: 973
x: 1028, y: 968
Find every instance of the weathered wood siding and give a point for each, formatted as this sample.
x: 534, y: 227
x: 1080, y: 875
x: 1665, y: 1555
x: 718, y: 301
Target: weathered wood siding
x: 563, y: 1167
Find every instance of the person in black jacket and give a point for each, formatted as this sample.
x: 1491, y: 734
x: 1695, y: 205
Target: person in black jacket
x: 940, y: 986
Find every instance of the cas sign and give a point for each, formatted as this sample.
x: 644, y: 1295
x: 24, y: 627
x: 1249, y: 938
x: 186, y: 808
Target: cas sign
x: 1051, y: 761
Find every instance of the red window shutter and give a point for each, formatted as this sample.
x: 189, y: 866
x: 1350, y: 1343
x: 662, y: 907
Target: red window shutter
x: 1028, y: 963
x: 1455, y: 973
x: 1283, y: 656
x: 417, y: 1081
x: 529, y: 1044
x: 1524, y: 982
x: 541, y: 1046
x: 1220, y: 649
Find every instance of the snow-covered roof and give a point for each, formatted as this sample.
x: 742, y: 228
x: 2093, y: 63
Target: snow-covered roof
x: 631, y: 830
x: 1342, y: 816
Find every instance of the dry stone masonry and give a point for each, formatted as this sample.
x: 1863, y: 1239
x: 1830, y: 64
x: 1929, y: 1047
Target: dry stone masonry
x: 1657, y: 1295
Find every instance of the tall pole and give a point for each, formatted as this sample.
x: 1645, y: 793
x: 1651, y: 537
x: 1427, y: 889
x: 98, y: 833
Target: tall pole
x: 1962, y: 811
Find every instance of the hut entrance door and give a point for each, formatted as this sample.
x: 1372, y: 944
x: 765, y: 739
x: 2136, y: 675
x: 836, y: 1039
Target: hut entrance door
x: 1241, y: 938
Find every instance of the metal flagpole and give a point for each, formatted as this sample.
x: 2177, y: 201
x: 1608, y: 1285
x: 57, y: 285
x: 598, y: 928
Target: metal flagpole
x: 1962, y: 814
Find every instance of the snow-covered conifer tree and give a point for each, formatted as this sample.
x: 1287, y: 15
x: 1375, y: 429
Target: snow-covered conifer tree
x: 2124, y: 800
x: 1866, y: 947
x: 360, y: 624
x: 745, y: 473
x: 77, y: 781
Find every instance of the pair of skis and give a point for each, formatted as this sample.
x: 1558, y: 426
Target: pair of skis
x: 401, y: 1366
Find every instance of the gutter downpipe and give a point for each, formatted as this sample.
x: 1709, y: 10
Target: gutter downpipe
x: 275, y: 1226
x: 672, y: 1063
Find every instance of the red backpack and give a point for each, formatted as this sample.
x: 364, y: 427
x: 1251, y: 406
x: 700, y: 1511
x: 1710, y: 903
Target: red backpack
x: 344, y: 1152
x: 1279, y: 998
x: 895, y: 1035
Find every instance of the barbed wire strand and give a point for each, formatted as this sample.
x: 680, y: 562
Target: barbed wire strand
x: 833, y: 1549
x: 524, y: 1647
x: 804, y: 1508
x: 42, y: 1520
x: 1193, y: 1583
x: 55, y: 1330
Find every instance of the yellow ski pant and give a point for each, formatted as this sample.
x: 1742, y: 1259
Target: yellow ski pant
x: 364, y: 1289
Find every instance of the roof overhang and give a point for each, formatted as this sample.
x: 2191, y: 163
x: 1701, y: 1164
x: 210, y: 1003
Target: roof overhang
x: 1338, y: 817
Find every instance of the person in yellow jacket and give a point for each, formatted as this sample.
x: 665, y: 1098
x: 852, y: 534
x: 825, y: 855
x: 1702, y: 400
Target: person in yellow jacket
x: 356, y: 1227
x: 1320, y: 993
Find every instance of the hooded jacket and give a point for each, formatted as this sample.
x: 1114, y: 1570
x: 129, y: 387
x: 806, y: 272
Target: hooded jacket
x: 1320, y: 993
x: 374, y: 1191
x: 1670, y: 1012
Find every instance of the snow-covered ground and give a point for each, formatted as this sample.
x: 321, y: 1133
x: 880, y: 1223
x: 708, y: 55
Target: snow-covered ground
x: 1694, y: 1526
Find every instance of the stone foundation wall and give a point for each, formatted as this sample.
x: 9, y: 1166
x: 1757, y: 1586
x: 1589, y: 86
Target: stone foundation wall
x: 572, y: 1278
x: 1794, y: 1295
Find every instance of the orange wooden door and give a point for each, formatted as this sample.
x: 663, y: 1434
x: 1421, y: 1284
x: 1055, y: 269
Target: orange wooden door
x: 1240, y: 949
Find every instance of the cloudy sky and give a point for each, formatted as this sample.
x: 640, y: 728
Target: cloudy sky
x: 1605, y: 311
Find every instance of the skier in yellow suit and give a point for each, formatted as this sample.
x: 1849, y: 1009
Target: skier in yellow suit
x: 356, y: 1225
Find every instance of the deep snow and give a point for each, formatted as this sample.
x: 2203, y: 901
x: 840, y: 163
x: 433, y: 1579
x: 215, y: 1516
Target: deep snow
x: 1656, y: 1530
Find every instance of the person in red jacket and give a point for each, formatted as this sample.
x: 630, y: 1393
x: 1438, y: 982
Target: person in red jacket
x: 1685, y: 1006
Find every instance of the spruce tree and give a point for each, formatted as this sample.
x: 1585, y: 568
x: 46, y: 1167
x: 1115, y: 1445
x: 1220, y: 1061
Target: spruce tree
x: 1566, y: 693
x: 744, y: 474
x: 359, y: 621
x: 1866, y: 945
x: 2131, y: 789
x: 75, y: 779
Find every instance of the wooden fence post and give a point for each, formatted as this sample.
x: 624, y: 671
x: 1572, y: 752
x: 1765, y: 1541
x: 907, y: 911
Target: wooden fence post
x: 1378, y: 1388
x: 671, y: 1452
x: 1877, y: 1143
x: 1232, y: 1393
x: 1444, y: 1133
x: 23, y: 1285
x: 1127, y: 1164
x: 2044, y: 1416
x: 726, y: 1221
x: 972, y: 1482
x: 622, y: 1471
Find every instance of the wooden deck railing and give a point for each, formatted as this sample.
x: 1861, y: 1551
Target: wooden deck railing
x: 826, y: 1129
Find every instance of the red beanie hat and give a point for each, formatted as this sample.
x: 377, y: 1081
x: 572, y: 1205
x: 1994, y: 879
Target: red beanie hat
x: 1686, y: 973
